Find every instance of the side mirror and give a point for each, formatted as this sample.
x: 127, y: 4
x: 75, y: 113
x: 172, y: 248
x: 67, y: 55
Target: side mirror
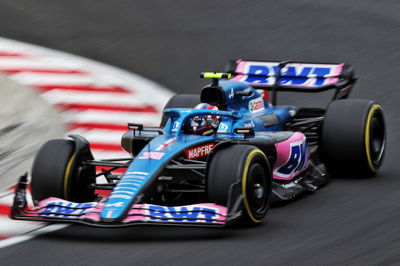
x: 247, y: 131
x: 134, y: 126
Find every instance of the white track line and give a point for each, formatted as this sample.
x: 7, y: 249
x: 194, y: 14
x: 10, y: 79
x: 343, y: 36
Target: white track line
x: 139, y: 83
x: 107, y: 117
x: 7, y: 199
x: 17, y: 227
x: 50, y: 78
x: 38, y: 63
x: 44, y: 229
x: 104, y: 98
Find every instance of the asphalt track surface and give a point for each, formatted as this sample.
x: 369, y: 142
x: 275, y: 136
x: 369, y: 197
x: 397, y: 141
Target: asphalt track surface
x: 350, y: 221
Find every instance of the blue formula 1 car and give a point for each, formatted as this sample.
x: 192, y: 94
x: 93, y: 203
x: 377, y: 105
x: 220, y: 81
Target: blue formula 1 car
x: 218, y: 158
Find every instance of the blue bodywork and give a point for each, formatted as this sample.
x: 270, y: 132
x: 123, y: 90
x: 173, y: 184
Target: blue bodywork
x: 241, y: 111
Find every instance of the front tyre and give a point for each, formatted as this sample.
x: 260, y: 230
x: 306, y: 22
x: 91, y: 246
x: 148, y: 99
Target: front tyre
x: 249, y: 166
x: 353, y: 138
x: 55, y: 173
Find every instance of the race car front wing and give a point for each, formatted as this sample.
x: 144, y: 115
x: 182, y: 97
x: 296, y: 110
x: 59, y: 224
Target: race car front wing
x: 59, y: 210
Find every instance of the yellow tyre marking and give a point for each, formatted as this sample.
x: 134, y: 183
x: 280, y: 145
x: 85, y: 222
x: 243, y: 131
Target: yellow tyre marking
x: 244, y: 183
x: 68, y: 171
x: 367, y: 136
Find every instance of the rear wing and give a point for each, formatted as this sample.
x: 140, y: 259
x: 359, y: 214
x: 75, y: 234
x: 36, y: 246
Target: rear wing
x: 294, y: 76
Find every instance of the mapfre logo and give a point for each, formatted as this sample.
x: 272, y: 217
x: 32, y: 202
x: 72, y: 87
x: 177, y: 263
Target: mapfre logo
x: 199, y: 151
x: 256, y: 104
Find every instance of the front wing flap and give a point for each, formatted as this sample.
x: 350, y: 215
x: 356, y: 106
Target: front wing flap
x: 59, y: 210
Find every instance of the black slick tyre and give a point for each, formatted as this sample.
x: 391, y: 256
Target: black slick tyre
x: 248, y: 166
x: 353, y: 138
x: 55, y: 173
x: 180, y: 101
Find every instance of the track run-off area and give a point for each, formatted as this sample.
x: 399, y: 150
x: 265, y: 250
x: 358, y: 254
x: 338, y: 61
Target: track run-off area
x: 94, y: 100
x: 349, y: 221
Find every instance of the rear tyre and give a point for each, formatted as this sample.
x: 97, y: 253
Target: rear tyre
x: 353, y: 138
x: 249, y: 166
x: 55, y: 173
x: 180, y: 101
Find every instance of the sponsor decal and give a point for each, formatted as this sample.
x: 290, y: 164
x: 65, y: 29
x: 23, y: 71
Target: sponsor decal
x: 133, y: 177
x: 231, y: 94
x: 291, y: 184
x: 175, y: 126
x: 166, y: 144
x: 297, y: 160
x: 65, y: 209
x: 116, y: 196
x: 223, y: 127
x: 199, y: 151
x: 116, y: 204
x: 295, y: 74
x: 155, y: 155
x: 249, y: 124
x: 256, y: 104
x: 137, y: 173
x: 180, y: 214
x: 200, y: 213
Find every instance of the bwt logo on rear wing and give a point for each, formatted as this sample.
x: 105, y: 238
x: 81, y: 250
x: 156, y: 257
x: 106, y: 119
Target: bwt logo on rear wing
x: 304, y: 77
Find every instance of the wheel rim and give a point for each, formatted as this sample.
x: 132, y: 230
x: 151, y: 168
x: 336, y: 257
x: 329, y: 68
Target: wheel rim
x: 257, y: 189
x: 256, y: 186
x: 377, y: 138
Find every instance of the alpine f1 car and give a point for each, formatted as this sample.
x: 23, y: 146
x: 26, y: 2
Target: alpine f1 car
x: 218, y: 158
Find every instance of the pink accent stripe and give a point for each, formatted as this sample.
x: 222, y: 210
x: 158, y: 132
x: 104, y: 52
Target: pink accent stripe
x: 238, y: 77
x: 240, y: 66
x: 336, y: 73
x: 91, y: 88
x: 338, y: 70
x: 43, y: 71
x: 166, y: 144
x: 90, y: 126
x: 84, y: 107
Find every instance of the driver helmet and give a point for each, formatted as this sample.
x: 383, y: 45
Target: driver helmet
x: 205, y: 125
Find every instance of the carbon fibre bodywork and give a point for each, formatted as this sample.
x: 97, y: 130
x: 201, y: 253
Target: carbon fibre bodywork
x: 166, y: 180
